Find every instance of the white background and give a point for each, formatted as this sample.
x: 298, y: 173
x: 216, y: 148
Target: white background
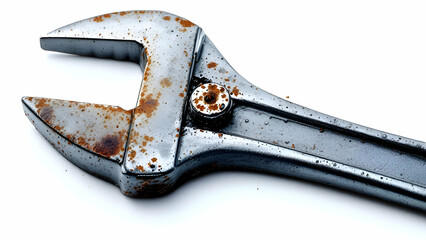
x: 362, y: 61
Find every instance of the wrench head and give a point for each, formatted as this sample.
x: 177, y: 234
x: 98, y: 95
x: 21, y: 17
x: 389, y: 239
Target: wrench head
x: 107, y: 141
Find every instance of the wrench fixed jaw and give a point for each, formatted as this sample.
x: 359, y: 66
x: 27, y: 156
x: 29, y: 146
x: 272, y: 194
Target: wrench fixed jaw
x: 144, y: 138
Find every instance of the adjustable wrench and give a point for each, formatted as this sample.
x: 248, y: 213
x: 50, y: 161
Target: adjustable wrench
x: 196, y: 114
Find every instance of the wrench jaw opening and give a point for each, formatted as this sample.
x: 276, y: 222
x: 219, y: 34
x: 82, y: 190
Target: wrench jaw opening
x: 134, y: 149
x: 266, y: 133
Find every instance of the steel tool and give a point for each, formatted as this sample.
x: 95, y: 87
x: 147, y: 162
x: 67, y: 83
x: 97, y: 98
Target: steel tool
x: 196, y: 114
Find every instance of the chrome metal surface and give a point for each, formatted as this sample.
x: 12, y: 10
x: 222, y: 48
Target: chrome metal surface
x: 148, y: 150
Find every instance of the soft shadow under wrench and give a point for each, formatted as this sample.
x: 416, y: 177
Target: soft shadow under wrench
x: 195, y: 113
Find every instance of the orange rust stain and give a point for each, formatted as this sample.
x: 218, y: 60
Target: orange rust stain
x: 292, y: 145
x: 184, y: 23
x: 287, y: 97
x: 98, y: 19
x: 123, y: 13
x: 167, y: 18
x: 132, y: 154
x: 186, y: 53
x: 107, y: 146
x: 166, y: 82
x: 197, y: 100
x: 214, y: 107
x: 226, y: 79
x: 211, y: 96
x: 212, y: 65
x: 147, y: 105
x: 107, y: 15
x: 200, y: 107
x: 153, y: 159
x: 235, y: 91
x: 181, y: 95
x: 177, y: 135
x: 182, y: 29
x: 148, y: 138
x: 144, y: 143
x: 41, y: 103
x: 220, y: 134
x: 140, y: 168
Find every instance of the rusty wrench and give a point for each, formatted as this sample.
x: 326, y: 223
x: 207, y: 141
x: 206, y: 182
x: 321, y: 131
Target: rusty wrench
x: 195, y: 113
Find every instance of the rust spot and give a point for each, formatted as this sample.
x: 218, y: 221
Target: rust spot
x: 235, y: 91
x: 140, y: 168
x: 287, y: 96
x: 181, y: 95
x: 108, y: 146
x: 132, y: 154
x: 153, y: 159
x: 212, y: 95
x: 186, y: 53
x: 46, y: 114
x: 212, y: 65
x: 177, y: 135
x: 148, y: 138
x: 292, y: 145
x: 107, y: 15
x: 41, y: 103
x: 214, y: 107
x: 220, y: 134
x: 166, y: 82
x: 200, y: 107
x: 182, y: 29
x: 321, y: 130
x: 147, y: 105
x: 184, y: 22
x: 98, y: 19
x: 167, y: 18
x: 123, y: 13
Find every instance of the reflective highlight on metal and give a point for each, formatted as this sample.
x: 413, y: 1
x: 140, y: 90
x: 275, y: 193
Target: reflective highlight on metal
x: 174, y: 132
